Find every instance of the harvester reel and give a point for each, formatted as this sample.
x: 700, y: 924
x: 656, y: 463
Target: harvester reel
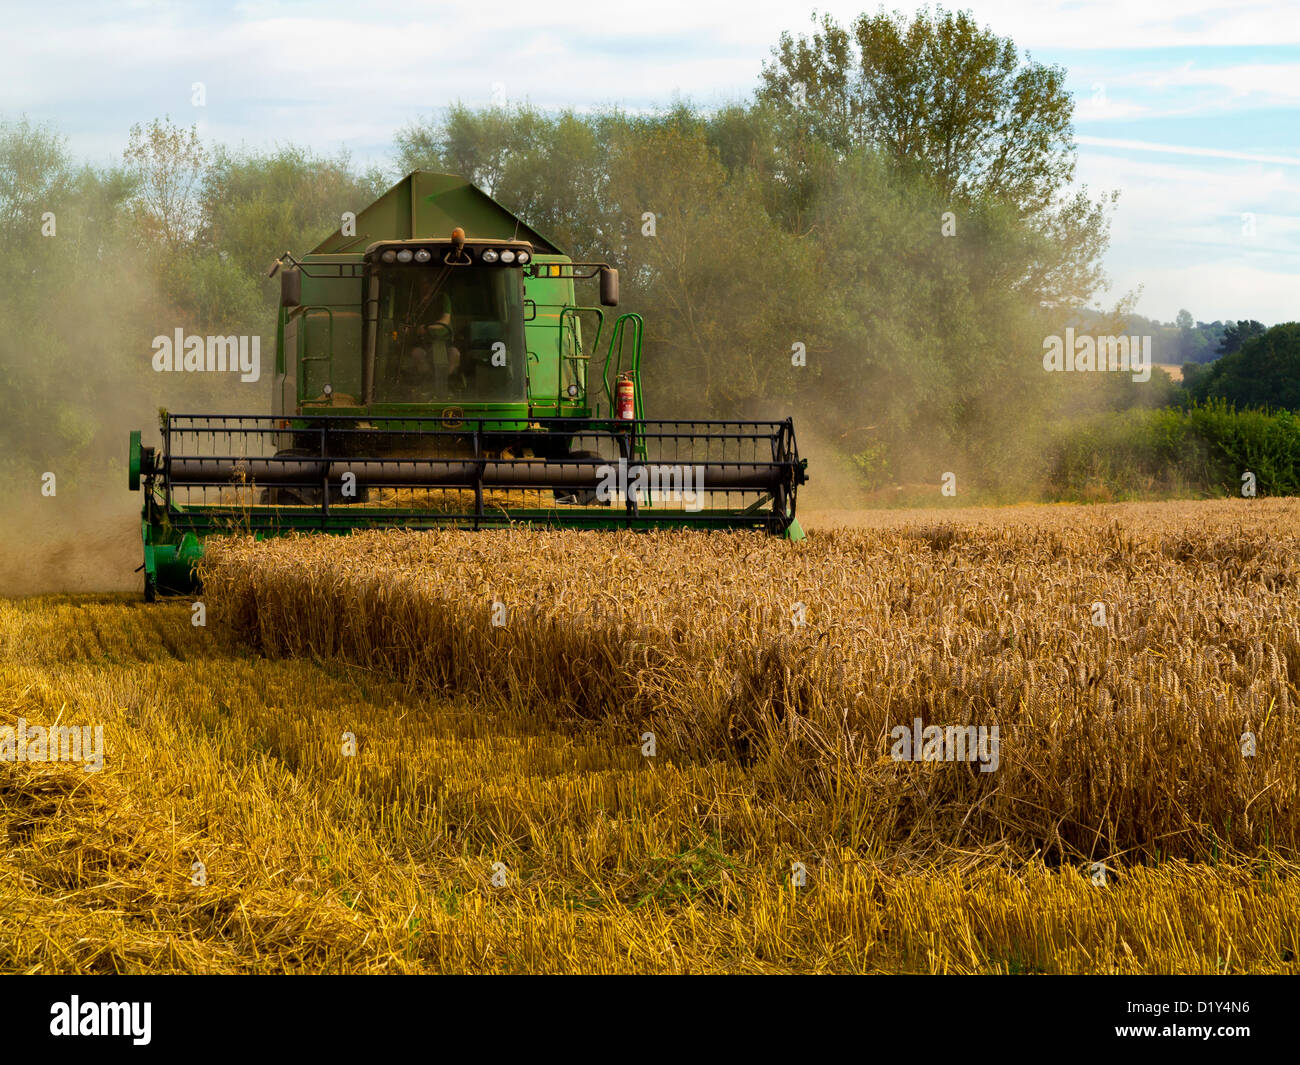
x: 302, y: 495
x: 583, y: 497
x: 452, y: 472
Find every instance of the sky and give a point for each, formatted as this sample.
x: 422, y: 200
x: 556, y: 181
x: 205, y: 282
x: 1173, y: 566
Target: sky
x: 1190, y: 109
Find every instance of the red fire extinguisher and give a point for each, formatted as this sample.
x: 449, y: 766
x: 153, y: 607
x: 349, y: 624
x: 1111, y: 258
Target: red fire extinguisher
x: 625, y: 396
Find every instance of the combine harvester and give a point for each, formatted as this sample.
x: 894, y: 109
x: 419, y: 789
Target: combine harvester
x: 434, y: 369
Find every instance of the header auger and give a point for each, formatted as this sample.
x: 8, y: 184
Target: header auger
x: 444, y: 375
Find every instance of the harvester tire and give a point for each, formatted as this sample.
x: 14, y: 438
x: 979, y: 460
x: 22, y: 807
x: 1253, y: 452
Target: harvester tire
x: 585, y: 497
x: 306, y: 497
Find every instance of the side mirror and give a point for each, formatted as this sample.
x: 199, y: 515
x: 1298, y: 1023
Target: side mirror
x: 290, y: 287
x: 608, y: 286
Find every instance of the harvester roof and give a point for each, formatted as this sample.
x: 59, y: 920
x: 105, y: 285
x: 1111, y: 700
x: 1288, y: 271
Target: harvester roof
x: 430, y: 205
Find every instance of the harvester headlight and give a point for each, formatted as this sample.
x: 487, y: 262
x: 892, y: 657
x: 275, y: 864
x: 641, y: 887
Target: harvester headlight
x: 573, y: 391
x: 405, y: 255
x: 507, y: 256
x: 523, y: 257
x: 490, y: 256
x: 422, y: 256
x: 389, y: 256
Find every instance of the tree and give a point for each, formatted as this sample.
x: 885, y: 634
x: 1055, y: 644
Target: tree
x: 723, y: 293
x: 550, y: 169
x: 72, y: 360
x: 1237, y: 333
x: 167, y: 164
x: 1263, y: 372
x: 952, y: 105
x: 34, y: 174
x: 939, y: 95
x: 255, y: 205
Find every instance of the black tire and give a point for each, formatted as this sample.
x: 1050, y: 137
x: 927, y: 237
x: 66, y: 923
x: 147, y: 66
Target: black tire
x: 293, y: 496
x: 584, y: 497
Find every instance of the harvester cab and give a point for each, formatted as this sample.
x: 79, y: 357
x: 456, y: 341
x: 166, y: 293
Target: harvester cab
x: 434, y: 367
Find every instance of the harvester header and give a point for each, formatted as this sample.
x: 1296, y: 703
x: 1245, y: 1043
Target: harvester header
x: 434, y: 367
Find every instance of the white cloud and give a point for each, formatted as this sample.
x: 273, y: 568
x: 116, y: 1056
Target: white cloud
x: 1177, y: 149
x: 1227, y: 289
x: 1179, y: 232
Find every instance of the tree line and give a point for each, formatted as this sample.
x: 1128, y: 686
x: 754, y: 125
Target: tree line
x: 876, y: 241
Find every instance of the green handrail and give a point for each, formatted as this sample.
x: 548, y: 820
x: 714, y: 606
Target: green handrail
x: 327, y: 358
x: 615, y: 356
x: 578, y: 357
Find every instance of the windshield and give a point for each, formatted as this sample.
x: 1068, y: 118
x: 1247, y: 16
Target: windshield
x: 450, y: 334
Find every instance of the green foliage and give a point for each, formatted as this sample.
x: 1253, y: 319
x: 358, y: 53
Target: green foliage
x: 1267, y: 445
x: 1237, y: 333
x: 943, y: 98
x: 166, y: 162
x: 872, y: 463
x: 254, y: 206
x: 1172, y: 344
x: 218, y: 295
x: 550, y: 169
x: 1263, y: 372
x: 62, y: 361
x: 1203, y: 450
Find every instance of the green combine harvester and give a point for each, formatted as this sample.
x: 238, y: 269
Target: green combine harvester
x: 433, y: 368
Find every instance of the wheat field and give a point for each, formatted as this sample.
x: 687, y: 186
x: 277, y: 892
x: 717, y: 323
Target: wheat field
x: 536, y: 751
